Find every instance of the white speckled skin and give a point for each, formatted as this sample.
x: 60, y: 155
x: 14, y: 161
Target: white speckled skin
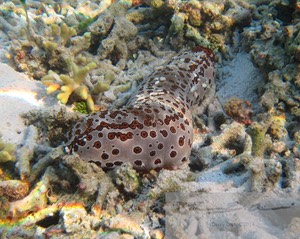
x: 154, y: 130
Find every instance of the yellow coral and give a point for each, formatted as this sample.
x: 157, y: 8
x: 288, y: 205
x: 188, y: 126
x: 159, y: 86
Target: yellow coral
x: 105, y: 85
x: 277, y: 128
x: 69, y: 84
x: 7, y: 152
x: 62, y: 34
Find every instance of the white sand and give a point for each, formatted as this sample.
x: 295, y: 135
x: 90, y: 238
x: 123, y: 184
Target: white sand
x: 240, y: 78
x: 18, y: 94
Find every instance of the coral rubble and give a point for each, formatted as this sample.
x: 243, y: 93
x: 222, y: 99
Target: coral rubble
x: 273, y: 41
x: 94, y: 54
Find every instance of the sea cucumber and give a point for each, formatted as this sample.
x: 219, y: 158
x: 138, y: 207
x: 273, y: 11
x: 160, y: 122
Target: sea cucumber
x: 154, y: 130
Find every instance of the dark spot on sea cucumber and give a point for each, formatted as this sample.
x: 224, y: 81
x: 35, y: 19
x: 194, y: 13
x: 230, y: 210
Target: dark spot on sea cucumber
x: 182, y: 126
x: 173, y: 154
x: 109, y: 165
x: 111, y: 135
x: 96, y: 162
x: 118, y: 163
x: 138, y: 162
x: 104, y: 156
x: 172, y: 129
x: 181, y: 141
x: 144, y: 134
x: 137, y: 150
x: 164, y: 133
x: 152, y: 134
x: 115, y: 151
x: 97, y: 145
x: 152, y: 153
x: 89, y: 137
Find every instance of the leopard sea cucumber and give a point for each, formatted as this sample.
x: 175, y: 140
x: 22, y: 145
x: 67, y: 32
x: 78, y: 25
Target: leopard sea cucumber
x: 154, y: 130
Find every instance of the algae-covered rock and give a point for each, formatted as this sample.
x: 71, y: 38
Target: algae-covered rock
x: 126, y: 178
x: 114, y: 46
x: 13, y: 189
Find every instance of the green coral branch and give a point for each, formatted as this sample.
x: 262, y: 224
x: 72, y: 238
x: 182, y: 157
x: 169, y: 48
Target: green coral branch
x: 62, y: 34
x: 105, y: 85
x: 260, y: 140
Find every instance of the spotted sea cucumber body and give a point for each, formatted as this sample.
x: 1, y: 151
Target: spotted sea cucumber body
x: 154, y: 130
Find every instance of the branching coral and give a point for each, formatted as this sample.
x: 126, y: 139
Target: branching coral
x: 53, y: 47
x: 75, y: 83
x: 61, y: 35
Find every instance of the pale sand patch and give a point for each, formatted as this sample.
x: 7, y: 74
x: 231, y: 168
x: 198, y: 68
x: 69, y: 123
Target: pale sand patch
x: 19, y: 94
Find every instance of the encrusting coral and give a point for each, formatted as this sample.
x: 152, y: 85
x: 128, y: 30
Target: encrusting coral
x: 239, y: 110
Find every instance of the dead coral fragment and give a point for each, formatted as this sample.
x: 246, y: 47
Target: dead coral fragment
x: 118, y: 32
x: 239, y: 110
x: 26, y: 152
x: 92, y: 179
x: 233, y: 141
x: 125, y: 224
x: 35, y: 201
x: 74, y: 218
x: 69, y: 84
